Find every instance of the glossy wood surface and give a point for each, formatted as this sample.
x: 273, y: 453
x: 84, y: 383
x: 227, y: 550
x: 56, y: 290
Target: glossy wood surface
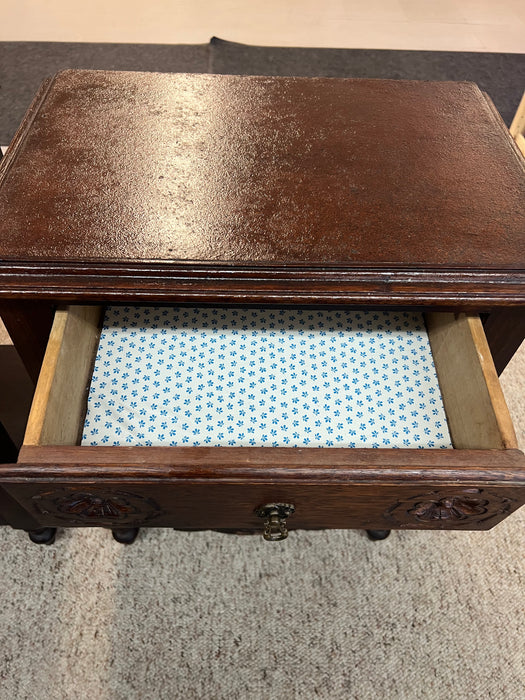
x: 259, y: 463
x: 179, y: 187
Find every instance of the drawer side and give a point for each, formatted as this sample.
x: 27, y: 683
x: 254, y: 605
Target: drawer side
x: 477, y: 413
x: 58, y: 408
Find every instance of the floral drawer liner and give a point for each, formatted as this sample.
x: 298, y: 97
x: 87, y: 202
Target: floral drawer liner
x: 261, y: 376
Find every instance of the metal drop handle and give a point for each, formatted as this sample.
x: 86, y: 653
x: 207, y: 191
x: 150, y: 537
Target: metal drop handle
x: 275, y: 514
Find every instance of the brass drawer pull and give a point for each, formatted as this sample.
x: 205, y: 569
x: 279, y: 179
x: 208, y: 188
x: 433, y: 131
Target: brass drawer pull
x: 275, y: 526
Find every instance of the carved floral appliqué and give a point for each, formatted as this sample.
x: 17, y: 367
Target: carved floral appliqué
x: 96, y: 507
x: 91, y: 506
x: 448, y: 510
x: 455, y: 508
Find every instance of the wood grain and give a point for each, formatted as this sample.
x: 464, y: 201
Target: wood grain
x: 287, y: 284
x: 517, y: 128
x: 476, y: 411
x: 246, y: 464
x: 201, y: 505
x: 520, y: 142
x: 274, y: 191
x: 66, y: 485
x: 59, y: 402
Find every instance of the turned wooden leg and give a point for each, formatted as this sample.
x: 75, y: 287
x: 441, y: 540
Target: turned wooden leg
x: 376, y: 535
x: 125, y: 535
x: 45, y: 535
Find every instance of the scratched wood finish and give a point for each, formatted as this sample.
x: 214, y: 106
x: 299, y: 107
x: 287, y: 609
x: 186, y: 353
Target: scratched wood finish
x: 187, y: 188
x: 221, y: 189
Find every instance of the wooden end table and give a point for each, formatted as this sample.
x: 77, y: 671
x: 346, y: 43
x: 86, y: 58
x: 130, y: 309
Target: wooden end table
x: 142, y: 188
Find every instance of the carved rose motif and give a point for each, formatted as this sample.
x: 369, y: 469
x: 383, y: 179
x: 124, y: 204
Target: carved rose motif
x: 111, y: 508
x: 455, y: 508
x: 91, y: 506
x: 444, y: 510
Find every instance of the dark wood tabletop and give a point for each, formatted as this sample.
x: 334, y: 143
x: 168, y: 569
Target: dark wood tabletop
x: 145, y: 187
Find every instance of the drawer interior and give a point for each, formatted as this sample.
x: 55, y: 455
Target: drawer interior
x: 476, y: 413
x: 264, y: 377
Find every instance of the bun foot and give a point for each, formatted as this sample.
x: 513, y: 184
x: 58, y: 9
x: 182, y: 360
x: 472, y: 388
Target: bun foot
x: 45, y: 535
x: 125, y: 535
x: 376, y: 535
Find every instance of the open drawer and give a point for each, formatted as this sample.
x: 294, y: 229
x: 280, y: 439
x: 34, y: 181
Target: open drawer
x: 58, y: 482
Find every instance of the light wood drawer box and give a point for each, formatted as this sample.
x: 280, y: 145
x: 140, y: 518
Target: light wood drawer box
x: 474, y: 486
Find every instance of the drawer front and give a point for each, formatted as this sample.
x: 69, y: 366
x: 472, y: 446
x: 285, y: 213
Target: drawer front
x: 59, y: 483
x: 223, y: 505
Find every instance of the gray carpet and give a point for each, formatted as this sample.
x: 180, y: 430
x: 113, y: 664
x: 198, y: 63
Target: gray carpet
x: 322, y: 615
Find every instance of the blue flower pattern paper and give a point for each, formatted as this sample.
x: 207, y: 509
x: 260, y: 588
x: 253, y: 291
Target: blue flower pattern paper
x: 264, y: 377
